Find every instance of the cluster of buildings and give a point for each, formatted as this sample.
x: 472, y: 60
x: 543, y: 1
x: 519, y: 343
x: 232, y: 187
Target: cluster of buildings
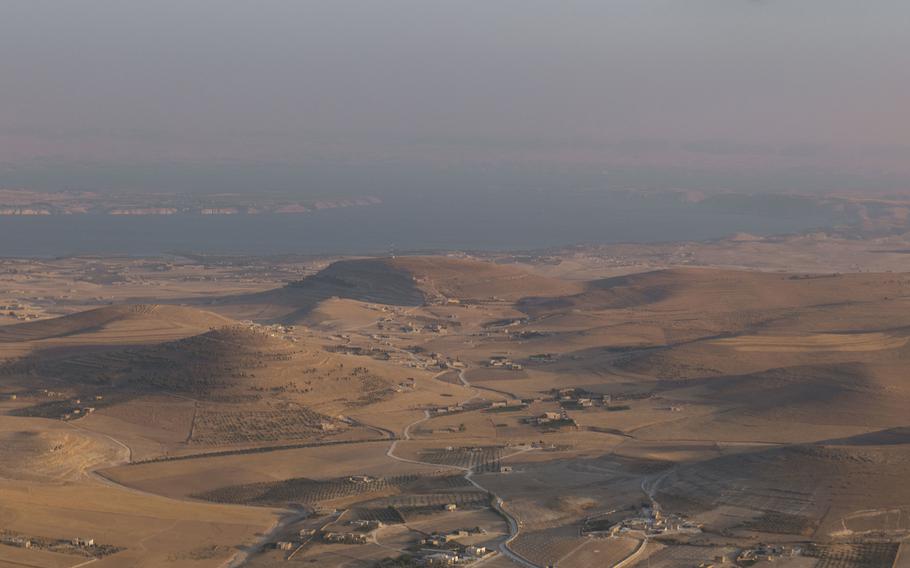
x: 580, y: 396
x: 15, y: 540
x: 515, y: 403
x: 448, y: 409
x: 497, y: 405
x: 286, y: 545
x: 360, y: 536
x: 436, y: 549
x: 346, y: 537
x: 77, y: 410
x: 406, y: 385
x: 468, y: 555
x: 412, y: 327
x: 580, y: 399
x: 416, y: 358
x: 18, y: 311
x: 46, y: 393
x: 355, y: 531
x: 652, y: 522
x: 368, y: 525
x: 448, y: 539
x: 276, y: 330
x: 770, y: 552
x: 443, y: 549
x: 503, y: 362
x: 465, y: 407
x: 361, y: 479
x: 52, y: 394
x: 574, y: 398
x: 20, y: 541
x: 553, y: 419
x: 436, y: 361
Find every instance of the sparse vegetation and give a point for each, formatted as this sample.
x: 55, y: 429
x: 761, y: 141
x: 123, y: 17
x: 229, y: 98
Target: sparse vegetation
x: 748, y: 405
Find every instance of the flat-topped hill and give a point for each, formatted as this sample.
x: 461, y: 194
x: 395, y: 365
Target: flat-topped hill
x: 376, y: 280
x: 401, y: 281
x: 458, y: 278
x: 412, y: 280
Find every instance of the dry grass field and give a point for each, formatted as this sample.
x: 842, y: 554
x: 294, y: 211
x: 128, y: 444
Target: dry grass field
x: 152, y: 531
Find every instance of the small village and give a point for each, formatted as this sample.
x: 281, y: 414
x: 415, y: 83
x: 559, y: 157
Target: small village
x: 19, y: 311
x: 652, y: 522
x: 79, y: 546
x: 434, y: 549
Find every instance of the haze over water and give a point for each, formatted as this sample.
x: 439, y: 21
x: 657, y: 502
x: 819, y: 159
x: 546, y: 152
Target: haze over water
x: 531, y: 223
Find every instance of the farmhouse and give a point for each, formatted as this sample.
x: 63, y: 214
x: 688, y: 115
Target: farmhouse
x: 345, y: 538
x: 367, y: 524
x: 442, y: 559
x: 477, y: 551
x: 361, y: 479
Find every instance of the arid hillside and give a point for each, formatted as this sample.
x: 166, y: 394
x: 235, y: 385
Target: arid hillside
x: 842, y: 488
x: 409, y: 406
x: 54, y: 454
x: 399, y: 281
x: 122, y: 316
x: 199, y: 363
x: 711, y: 291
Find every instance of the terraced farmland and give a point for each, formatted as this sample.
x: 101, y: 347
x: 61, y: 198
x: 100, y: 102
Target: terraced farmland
x: 303, y: 490
x: 217, y: 427
x: 479, y: 459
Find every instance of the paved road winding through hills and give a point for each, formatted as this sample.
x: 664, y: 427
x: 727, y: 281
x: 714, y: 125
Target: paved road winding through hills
x: 498, y: 503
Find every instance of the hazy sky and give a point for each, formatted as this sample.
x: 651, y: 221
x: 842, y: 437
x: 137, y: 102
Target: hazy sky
x: 673, y: 91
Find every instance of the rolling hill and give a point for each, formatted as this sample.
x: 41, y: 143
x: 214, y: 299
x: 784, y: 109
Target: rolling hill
x: 126, y: 317
x: 198, y: 363
x: 711, y: 291
x: 824, y: 490
x: 53, y: 454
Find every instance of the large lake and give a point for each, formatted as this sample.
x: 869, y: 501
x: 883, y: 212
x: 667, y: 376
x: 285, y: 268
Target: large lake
x: 529, y: 222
